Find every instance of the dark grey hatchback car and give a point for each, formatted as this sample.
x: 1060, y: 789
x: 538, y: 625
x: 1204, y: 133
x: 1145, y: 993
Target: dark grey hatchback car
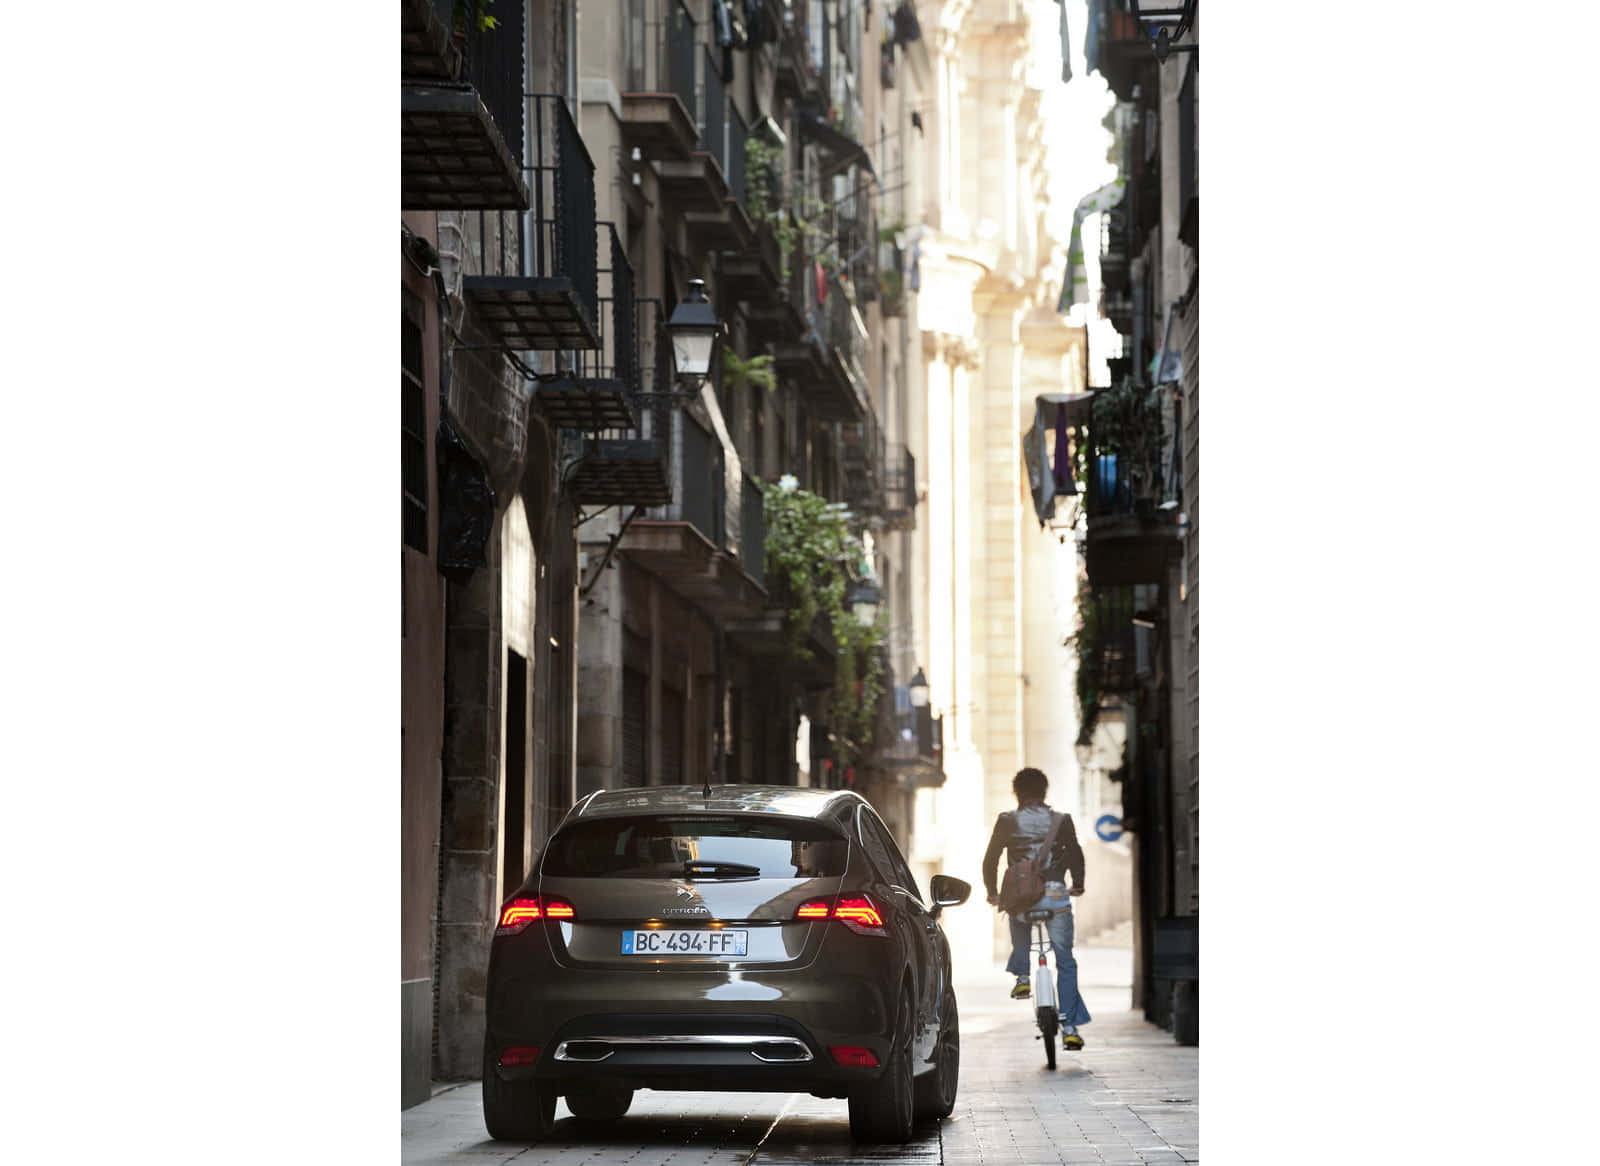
x: 748, y: 938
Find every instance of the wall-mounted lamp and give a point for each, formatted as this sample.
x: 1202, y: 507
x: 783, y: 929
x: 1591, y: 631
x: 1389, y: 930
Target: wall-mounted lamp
x: 863, y: 598
x: 694, y: 329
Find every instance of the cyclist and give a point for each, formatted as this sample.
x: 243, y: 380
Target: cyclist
x: 1020, y: 833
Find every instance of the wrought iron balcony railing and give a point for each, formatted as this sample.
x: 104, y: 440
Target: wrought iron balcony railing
x: 461, y: 128
x: 1127, y: 437
x: 547, y: 295
x: 601, y: 390
x: 704, y: 480
x: 714, y: 111
x: 900, y: 491
x: 632, y: 464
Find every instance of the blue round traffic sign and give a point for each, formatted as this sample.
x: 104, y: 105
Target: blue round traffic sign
x: 1108, y: 827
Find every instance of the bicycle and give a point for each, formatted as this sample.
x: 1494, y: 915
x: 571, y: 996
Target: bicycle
x: 1044, y: 981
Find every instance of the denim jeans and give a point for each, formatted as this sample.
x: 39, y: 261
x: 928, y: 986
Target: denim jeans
x: 1069, y: 1004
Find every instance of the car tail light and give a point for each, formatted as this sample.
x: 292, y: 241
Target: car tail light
x: 519, y: 1055
x: 857, y: 912
x: 517, y: 914
x: 860, y: 915
x: 854, y: 1056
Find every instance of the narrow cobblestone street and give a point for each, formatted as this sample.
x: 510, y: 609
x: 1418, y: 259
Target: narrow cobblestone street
x: 1131, y: 1096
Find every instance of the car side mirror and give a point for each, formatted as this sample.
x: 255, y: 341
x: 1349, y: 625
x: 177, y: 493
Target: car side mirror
x: 948, y: 891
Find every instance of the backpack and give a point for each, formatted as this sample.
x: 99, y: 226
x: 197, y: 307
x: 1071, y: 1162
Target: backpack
x: 1023, y: 883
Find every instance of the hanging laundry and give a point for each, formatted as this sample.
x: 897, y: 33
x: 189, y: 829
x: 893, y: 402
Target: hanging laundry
x: 822, y: 283
x: 755, y: 20
x: 1075, y: 282
x: 1063, y: 458
x: 1066, y: 49
x: 1091, y: 36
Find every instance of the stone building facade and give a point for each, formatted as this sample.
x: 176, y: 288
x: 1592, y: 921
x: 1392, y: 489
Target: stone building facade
x: 584, y: 578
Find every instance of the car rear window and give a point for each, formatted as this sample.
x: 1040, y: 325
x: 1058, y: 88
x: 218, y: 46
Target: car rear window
x: 691, y: 846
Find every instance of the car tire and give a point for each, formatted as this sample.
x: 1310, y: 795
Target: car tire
x: 599, y: 1102
x: 936, y: 1089
x: 515, y: 1111
x: 884, y: 1111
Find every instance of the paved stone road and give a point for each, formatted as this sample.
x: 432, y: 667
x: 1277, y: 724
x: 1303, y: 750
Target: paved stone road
x: 1130, y: 1097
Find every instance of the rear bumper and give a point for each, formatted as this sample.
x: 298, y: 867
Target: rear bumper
x: 738, y: 1052
x: 845, y: 997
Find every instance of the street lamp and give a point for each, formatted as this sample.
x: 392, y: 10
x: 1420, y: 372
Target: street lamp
x: 918, y: 690
x: 694, y: 329
x: 863, y: 600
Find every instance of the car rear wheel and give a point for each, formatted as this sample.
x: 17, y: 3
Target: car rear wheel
x: 599, y: 1102
x: 883, y: 1111
x: 515, y: 1111
x: 936, y: 1090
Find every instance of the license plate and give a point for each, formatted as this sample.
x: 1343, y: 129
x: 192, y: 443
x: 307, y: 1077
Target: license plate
x: 683, y: 941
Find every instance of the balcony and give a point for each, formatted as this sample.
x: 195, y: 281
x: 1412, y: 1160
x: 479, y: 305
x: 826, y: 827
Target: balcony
x: 751, y: 276
x: 823, y: 362
x: 658, y: 101
x: 692, y: 552
x: 555, y: 304
x: 900, y: 491
x: 1114, y: 250
x: 1113, y: 654
x: 1134, y: 532
x: 800, y: 64
x: 694, y: 185
x: 460, y: 142
x: 1126, y: 57
x: 914, y: 753
x: 1117, y: 308
x: 863, y: 457
x: 630, y: 465
x: 764, y: 637
x: 599, y: 393
x: 427, y: 49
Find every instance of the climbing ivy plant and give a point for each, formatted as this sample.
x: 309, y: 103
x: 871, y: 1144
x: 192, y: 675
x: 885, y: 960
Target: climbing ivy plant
x: 810, y: 555
x: 764, y: 199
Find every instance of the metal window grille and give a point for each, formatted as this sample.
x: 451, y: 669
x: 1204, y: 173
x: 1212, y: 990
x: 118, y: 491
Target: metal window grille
x: 713, y: 115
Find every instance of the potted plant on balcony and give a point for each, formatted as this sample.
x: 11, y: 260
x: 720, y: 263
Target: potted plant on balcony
x: 1127, y: 433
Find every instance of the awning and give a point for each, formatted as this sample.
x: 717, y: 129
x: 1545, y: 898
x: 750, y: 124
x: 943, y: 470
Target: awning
x: 842, y: 146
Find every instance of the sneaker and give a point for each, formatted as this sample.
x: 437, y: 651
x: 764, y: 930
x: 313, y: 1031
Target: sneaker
x: 1021, y: 990
x: 1072, y: 1042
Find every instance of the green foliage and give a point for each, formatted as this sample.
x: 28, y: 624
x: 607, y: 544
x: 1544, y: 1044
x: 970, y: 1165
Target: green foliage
x: 764, y: 198
x: 737, y: 372
x: 474, y: 14
x: 1126, y: 420
x: 891, y: 288
x: 810, y: 555
x: 1084, y: 643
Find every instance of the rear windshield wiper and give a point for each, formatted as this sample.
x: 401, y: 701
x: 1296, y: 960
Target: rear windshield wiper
x: 731, y: 870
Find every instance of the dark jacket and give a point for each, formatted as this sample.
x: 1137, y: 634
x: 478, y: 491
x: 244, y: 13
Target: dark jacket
x: 1021, y: 832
